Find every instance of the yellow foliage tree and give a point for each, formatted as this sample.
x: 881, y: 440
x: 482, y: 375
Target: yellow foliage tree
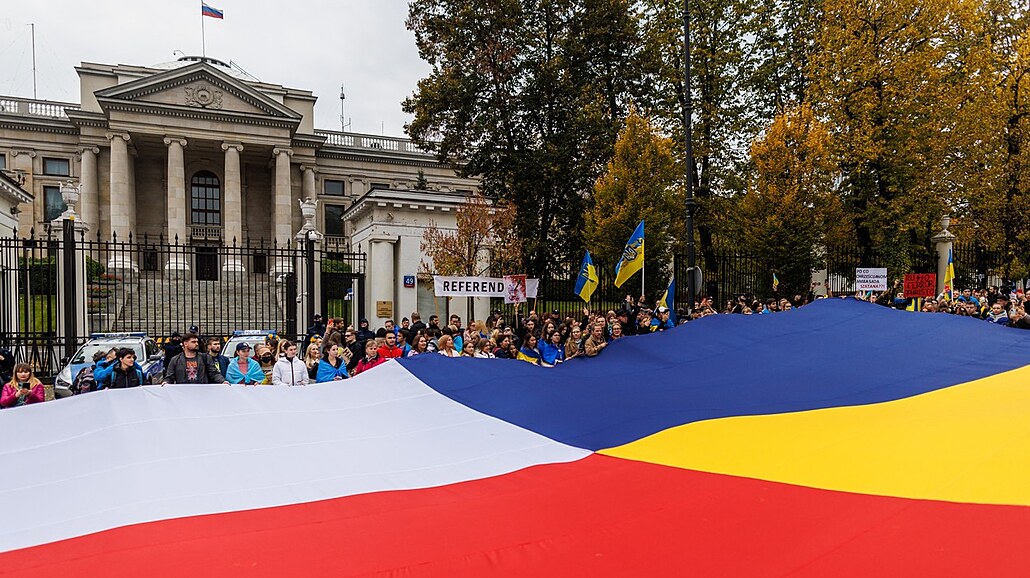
x: 640, y: 182
x: 792, y: 207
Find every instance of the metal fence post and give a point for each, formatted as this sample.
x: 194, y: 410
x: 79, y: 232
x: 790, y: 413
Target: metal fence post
x: 71, y: 288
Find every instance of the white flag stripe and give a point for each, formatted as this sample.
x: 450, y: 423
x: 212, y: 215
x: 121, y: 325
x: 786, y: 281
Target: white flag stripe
x: 114, y: 458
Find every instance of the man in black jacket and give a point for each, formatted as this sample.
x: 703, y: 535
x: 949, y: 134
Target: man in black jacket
x: 192, y: 366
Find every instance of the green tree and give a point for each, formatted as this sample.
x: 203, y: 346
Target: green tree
x: 726, y: 113
x: 528, y: 95
x: 638, y: 183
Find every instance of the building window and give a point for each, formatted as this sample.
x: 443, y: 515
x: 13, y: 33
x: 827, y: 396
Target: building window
x: 205, y: 199
x: 334, y: 188
x: 53, y: 203
x: 3, y: 162
x: 334, y: 220
x: 57, y: 167
x: 380, y: 186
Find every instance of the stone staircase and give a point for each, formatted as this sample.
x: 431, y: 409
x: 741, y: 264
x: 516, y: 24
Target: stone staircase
x: 158, y: 304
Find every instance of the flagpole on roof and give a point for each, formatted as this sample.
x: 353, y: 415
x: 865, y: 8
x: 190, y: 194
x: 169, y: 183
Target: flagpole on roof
x: 203, y: 35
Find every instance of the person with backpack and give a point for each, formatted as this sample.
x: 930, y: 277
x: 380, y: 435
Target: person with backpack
x: 125, y: 372
x: 192, y: 366
x: 86, y: 381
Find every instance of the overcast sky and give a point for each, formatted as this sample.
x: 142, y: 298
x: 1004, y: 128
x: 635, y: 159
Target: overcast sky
x: 308, y: 44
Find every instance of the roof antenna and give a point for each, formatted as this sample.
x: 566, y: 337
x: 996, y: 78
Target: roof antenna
x: 344, y: 121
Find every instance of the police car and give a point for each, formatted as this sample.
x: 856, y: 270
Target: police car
x: 251, y: 337
x: 148, y: 355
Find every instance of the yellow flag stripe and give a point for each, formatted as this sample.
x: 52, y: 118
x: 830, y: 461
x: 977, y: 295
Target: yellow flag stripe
x: 966, y: 443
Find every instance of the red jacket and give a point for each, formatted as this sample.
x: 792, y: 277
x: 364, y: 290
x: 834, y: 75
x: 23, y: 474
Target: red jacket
x: 388, y: 352
x: 365, y: 364
x: 10, y: 394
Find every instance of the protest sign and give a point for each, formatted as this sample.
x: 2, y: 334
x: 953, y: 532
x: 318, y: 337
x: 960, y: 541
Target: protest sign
x: 480, y: 286
x: 920, y: 285
x: 874, y: 279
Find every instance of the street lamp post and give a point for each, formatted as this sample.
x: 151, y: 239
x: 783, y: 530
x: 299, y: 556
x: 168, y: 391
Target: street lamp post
x: 689, y: 153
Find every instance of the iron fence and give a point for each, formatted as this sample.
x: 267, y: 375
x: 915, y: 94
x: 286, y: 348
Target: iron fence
x: 29, y: 312
x: 154, y: 285
x: 59, y: 286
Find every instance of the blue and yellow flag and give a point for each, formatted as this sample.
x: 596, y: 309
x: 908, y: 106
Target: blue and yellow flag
x: 587, y: 280
x: 776, y: 282
x: 669, y: 300
x: 949, y: 279
x: 632, y: 256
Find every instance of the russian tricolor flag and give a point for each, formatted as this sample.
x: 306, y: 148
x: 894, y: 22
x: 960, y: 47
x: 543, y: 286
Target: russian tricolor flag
x: 206, y: 10
x: 840, y: 439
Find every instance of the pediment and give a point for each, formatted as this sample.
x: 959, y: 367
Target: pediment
x: 198, y: 88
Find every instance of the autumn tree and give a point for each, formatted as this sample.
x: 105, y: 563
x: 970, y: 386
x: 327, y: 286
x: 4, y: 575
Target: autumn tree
x: 483, y: 237
x: 889, y: 79
x: 640, y: 182
x: 792, y: 206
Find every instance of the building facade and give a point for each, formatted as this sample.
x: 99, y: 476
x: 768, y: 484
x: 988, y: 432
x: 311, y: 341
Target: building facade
x: 197, y: 151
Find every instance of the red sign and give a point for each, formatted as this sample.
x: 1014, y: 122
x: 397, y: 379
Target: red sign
x: 920, y: 285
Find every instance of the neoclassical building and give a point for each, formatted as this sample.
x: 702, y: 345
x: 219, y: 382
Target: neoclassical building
x: 196, y: 150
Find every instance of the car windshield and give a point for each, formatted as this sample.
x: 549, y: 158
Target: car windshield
x: 85, y: 354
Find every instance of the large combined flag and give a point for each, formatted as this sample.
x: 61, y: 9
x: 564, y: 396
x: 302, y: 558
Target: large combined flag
x: 586, y: 282
x: 949, y: 279
x: 211, y: 11
x: 632, y: 259
x: 855, y: 440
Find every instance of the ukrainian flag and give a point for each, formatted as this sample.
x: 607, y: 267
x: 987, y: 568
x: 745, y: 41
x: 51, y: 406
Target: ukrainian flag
x: 669, y: 298
x: 949, y: 278
x: 632, y: 256
x: 587, y: 281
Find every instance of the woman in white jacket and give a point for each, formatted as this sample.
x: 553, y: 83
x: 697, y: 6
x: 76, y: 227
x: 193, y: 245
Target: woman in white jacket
x: 289, y: 370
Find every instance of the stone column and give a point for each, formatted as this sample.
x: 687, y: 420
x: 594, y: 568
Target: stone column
x: 176, y: 189
x: 944, y: 241
x: 178, y: 263
x: 120, y: 203
x: 233, y: 213
x: 121, y: 206
x: 89, y: 188
x: 282, y: 217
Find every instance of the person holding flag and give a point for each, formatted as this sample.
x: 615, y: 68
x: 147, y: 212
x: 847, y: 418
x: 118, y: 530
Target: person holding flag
x: 949, y: 279
x: 632, y: 259
x: 586, y: 283
x: 666, y: 312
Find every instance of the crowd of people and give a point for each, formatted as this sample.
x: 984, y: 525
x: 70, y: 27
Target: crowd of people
x: 332, y: 350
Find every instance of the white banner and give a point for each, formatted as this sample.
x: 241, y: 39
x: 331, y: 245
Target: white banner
x: 479, y: 287
x: 874, y: 279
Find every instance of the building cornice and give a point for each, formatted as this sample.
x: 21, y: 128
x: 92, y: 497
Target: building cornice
x: 38, y: 124
x: 415, y: 200
x: 182, y: 111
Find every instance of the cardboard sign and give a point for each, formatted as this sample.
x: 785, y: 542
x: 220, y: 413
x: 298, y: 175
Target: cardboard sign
x: 514, y: 288
x: 920, y: 285
x: 874, y: 279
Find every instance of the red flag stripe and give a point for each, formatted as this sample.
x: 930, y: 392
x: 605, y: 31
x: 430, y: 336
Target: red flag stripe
x: 600, y: 516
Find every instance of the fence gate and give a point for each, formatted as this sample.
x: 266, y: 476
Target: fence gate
x: 343, y: 282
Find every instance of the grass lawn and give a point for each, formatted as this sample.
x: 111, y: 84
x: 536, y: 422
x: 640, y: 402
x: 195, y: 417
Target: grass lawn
x: 41, y: 314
